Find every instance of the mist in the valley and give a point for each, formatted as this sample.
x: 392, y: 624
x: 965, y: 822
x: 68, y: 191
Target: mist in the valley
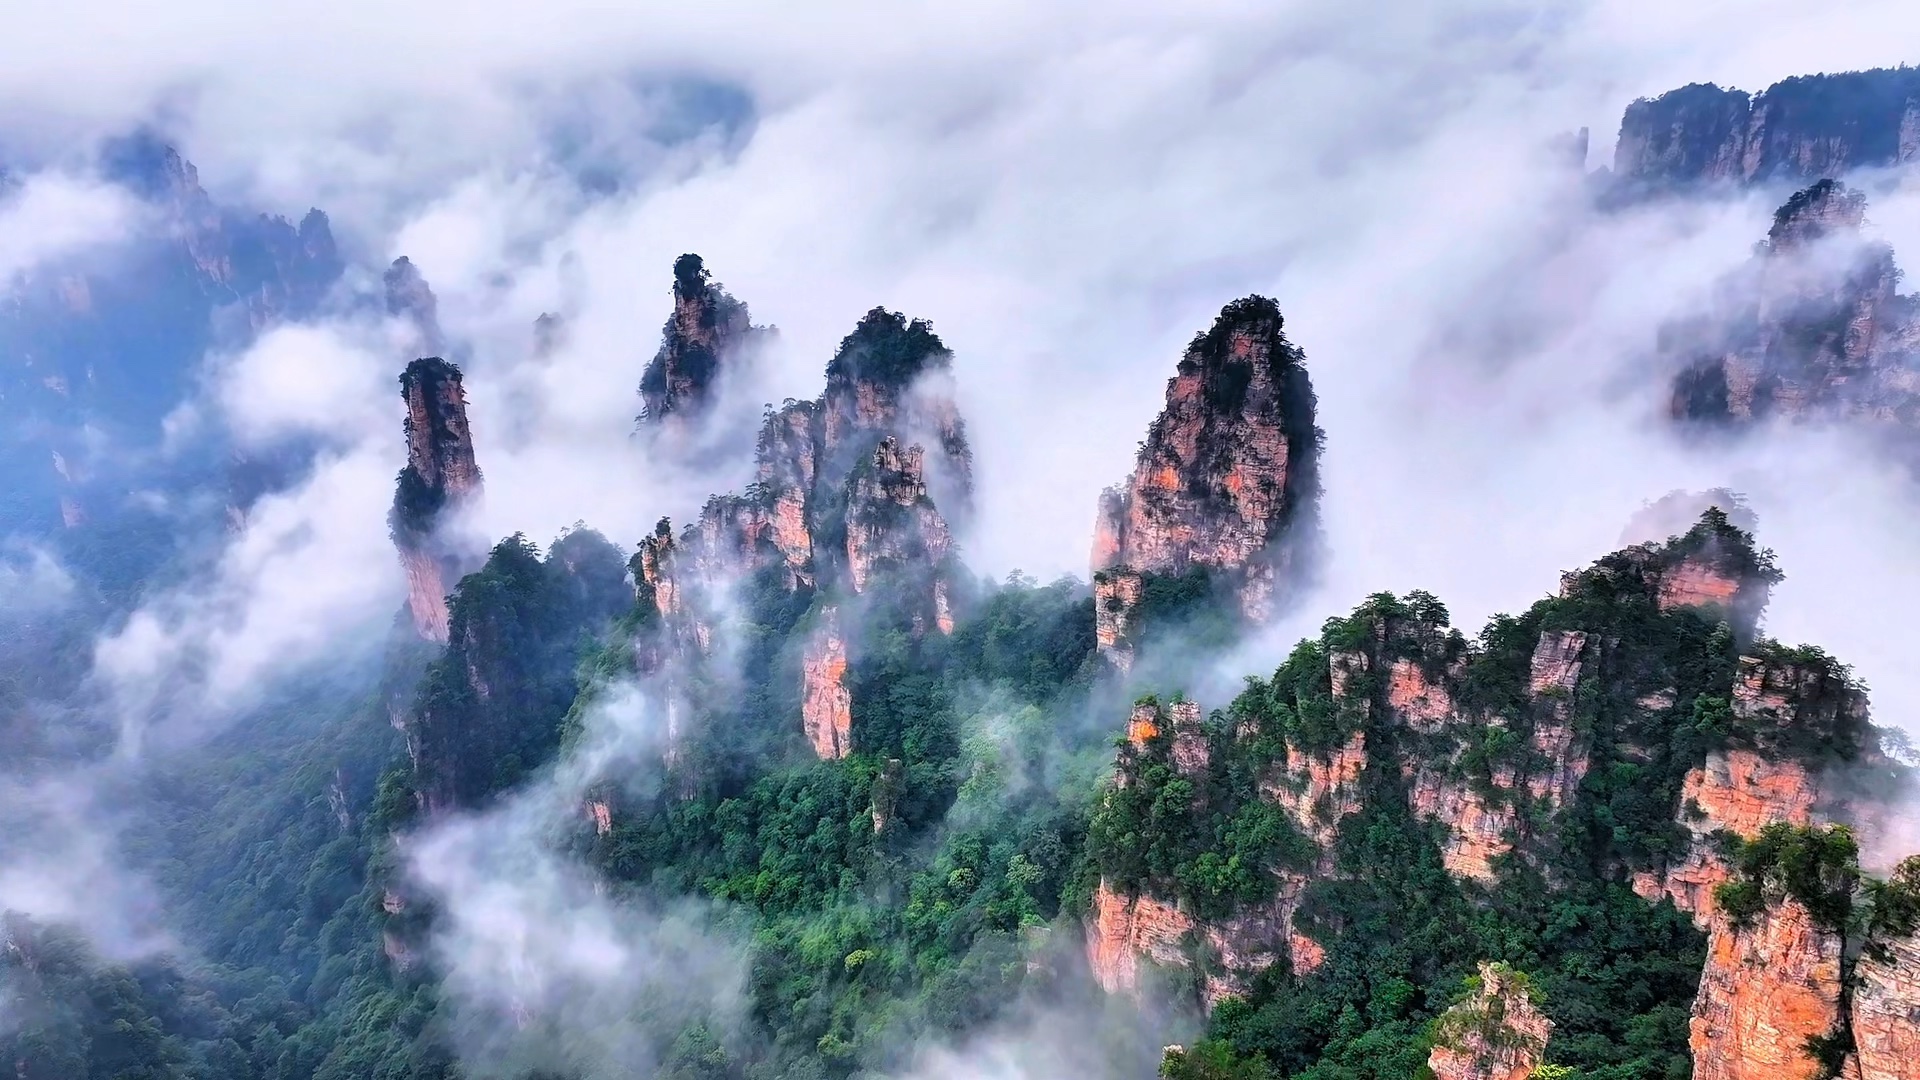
x: 1068, y: 194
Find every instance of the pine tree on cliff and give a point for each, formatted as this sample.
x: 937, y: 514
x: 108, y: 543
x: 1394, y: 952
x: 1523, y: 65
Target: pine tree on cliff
x: 707, y: 329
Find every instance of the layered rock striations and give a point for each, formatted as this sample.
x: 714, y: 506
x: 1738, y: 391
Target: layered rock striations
x: 1772, y: 997
x: 1226, y: 483
x: 1812, y: 330
x: 441, y: 478
x: 708, y: 331
x: 1495, y: 1033
x: 1798, y: 130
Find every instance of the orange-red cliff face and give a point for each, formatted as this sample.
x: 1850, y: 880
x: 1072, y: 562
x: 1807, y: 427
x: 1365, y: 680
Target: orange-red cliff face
x: 826, y: 707
x: 1768, y: 988
x: 1497, y: 1033
x: 1741, y: 790
x: 441, y: 477
x: 1227, y: 479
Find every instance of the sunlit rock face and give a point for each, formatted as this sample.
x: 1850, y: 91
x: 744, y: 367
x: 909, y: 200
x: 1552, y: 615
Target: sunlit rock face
x: 1769, y: 987
x: 440, y: 478
x: 1797, y: 131
x: 708, y: 332
x: 1812, y: 330
x: 1227, y: 478
x: 1742, y: 790
x: 1497, y: 1033
x: 826, y: 707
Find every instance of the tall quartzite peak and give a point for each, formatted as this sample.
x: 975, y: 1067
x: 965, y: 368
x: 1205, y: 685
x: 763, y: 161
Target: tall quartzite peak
x: 440, y: 476
x: 707, y: 330
x: 1227, y: 479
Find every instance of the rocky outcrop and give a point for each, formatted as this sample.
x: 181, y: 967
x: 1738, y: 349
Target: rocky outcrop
x: 1812, y: 330
x: 707, y: 331
x: 1484, y: 817
x: 1116, y: 602
x: 893, y: 377
x: 1736, y: 791
x: 1885, y: 1012
x: 826, y: 707
x: 1227, y: 480
x: 1799, y: 130
x: 1712, y: 566
x: 1496, y: 1033
x: 1126, y: 930
x: 1884, y: 1007
x: 410, y: 299
x: 1770, y: 986
x: 1785, y: 704
x: 440, y: 478
x: 892, y: 522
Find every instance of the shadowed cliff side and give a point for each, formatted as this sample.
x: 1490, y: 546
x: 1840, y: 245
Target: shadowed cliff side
x: 1811, y: 331
x: 1801, y: 129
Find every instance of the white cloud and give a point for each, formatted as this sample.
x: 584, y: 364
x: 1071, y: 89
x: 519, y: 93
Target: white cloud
x: 53, y: 215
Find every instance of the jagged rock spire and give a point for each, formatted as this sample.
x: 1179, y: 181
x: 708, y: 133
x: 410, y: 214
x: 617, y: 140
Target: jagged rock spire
x: 441, y: 476
x: 409, y: 297
x: 1810, y: 329
x: 1227, y: 479
x: 708, y: 327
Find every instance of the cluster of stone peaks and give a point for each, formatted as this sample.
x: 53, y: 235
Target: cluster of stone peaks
x: 1226, y: 482
x: 853, y: 489
x: 1403, y: 703
x: 1811, y: 330
x: 707, y: 331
